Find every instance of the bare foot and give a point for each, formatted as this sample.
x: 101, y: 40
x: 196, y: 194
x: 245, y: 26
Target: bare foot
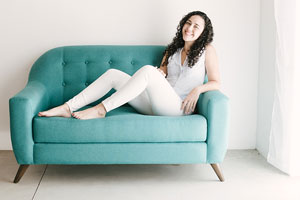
x: 97, y: 111
x: 59, y: 111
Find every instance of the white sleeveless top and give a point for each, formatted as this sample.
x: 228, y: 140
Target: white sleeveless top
x: 183, y: 78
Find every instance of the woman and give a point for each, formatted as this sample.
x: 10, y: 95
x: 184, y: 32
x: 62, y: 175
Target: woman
x: 172, y: 90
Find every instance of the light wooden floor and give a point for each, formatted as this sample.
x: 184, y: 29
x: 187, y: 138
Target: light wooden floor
x: 247, y: 176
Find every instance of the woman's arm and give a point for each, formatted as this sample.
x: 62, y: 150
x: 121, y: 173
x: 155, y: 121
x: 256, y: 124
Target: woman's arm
x: 164, y: 67
x: 212, y: 69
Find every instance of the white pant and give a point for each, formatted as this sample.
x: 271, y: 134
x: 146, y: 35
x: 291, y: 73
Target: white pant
x: 147, y: 91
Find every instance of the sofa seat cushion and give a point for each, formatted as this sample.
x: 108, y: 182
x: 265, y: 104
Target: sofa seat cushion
x: 123, y: 124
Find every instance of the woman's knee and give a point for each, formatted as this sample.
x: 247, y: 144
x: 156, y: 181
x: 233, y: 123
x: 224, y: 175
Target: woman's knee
x: 148, y: 68
x: 112, y: 71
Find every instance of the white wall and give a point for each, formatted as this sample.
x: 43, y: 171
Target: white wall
x: 29, y: 28
x: 266, y: 73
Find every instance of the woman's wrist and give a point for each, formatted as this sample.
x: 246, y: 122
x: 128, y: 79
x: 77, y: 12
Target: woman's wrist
x: 211, y: 85
x: 199, y: 89
x: 162, y: 72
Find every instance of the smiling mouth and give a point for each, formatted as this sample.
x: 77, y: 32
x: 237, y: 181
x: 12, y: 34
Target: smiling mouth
x: 188, y: 34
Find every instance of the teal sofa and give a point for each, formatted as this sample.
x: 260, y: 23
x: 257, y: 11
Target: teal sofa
x: 123, y: 136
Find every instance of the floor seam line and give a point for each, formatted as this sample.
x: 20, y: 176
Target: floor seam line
x: 39, y: 182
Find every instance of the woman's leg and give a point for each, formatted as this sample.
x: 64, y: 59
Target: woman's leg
x: 162, y: 97
x: 112, y: 78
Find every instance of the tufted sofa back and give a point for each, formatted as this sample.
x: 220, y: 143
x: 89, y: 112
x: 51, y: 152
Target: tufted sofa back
x: 65, y: 71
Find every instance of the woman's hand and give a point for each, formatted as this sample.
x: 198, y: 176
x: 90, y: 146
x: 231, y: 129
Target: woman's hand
x: 190, y: 102
x: 161, y: 71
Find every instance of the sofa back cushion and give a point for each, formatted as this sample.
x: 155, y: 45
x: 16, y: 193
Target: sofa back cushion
x: 66, y: 71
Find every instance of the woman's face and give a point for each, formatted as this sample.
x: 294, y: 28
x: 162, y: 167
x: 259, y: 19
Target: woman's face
x: 193, y: 28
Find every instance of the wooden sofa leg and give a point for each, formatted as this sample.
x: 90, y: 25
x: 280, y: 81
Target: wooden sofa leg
x: 20, y: 173
x: 217, y: 170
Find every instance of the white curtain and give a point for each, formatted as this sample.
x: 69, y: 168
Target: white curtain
x: 284, y: 149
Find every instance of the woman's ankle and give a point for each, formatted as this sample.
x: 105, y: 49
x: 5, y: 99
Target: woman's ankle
x: 66, y: 106
x: 101, y: 108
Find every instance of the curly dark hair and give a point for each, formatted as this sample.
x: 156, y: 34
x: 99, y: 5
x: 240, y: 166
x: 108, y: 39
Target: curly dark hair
x: 198, y: 46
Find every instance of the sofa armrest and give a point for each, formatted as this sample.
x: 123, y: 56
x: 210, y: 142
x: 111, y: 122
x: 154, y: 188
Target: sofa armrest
x: 22, y: 108
x: 214, y: 106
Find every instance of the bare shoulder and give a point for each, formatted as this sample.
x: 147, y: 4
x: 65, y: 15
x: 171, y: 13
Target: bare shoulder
x: 210, y: 49
x: 211, y: 63
x: 211, y: 53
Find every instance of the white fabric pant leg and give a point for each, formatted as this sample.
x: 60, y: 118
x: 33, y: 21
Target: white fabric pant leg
x: 112, y: 78
x: 163, y: 98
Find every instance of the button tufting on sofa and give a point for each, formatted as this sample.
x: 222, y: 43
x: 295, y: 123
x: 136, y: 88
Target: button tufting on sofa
x: 86, y: 62
x: 63, y: 63
x: 132, y: 62
x: 110, y: 62
x: 86, y: 84
x: 63, y: 84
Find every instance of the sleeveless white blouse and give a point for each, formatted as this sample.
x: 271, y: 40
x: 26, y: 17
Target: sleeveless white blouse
x: 183, y: 78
